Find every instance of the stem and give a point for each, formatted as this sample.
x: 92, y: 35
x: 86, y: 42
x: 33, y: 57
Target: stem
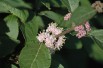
x: 68, y: 30
x: 65, y: 32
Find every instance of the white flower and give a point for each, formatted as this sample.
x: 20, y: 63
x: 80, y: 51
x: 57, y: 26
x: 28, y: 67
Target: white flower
x: 60, y: 42
x: 49, y: 41
x: 48, y: 37
x: 41, y: 36
x: 54, y: 29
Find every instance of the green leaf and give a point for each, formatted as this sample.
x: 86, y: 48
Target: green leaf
x: 22, y: 14
x: 8, y: 35
x: 85, y: 3
x: 71, y: 4
x: 52, y: 15
x: 2, y: 8
x: 12, y: 23
x: 56, y: 3
x: 60, y: 66
x: 13, y: 66
x: 93, y: 49
x: 97, y: 35
x: 31, y: 28
x: 80, y: 16
x: 38, y: 55
x: 46, y: 3
x: 17, y: 3
x: 40, y: 22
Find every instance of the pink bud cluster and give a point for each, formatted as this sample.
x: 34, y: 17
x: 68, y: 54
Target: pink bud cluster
x: 67, y: 16
x: 87, y: 26
x: 48, y: 37
x: 82, y: 31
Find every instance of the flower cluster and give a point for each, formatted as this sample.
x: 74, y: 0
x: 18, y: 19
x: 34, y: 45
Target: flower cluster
x: 98, y: 6
x: 67, y: 16
x: 87, y: 26
x: 82, y: 30
x: 48, y: 36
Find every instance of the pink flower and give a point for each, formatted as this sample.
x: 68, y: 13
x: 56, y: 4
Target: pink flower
x: 57, y: 31
x: 49, y: 41
x: 48, y: 37
x: 51, y: 27
x: 67, y: 16
x: 41, y: 36
x: 60, y: 42
x: 87, y: 26
x: 78, y: 28
x: 81, y: 32
x: 54, y: 29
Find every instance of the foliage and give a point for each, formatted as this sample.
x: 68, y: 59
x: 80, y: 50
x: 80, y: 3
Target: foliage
x: 22, y: 20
